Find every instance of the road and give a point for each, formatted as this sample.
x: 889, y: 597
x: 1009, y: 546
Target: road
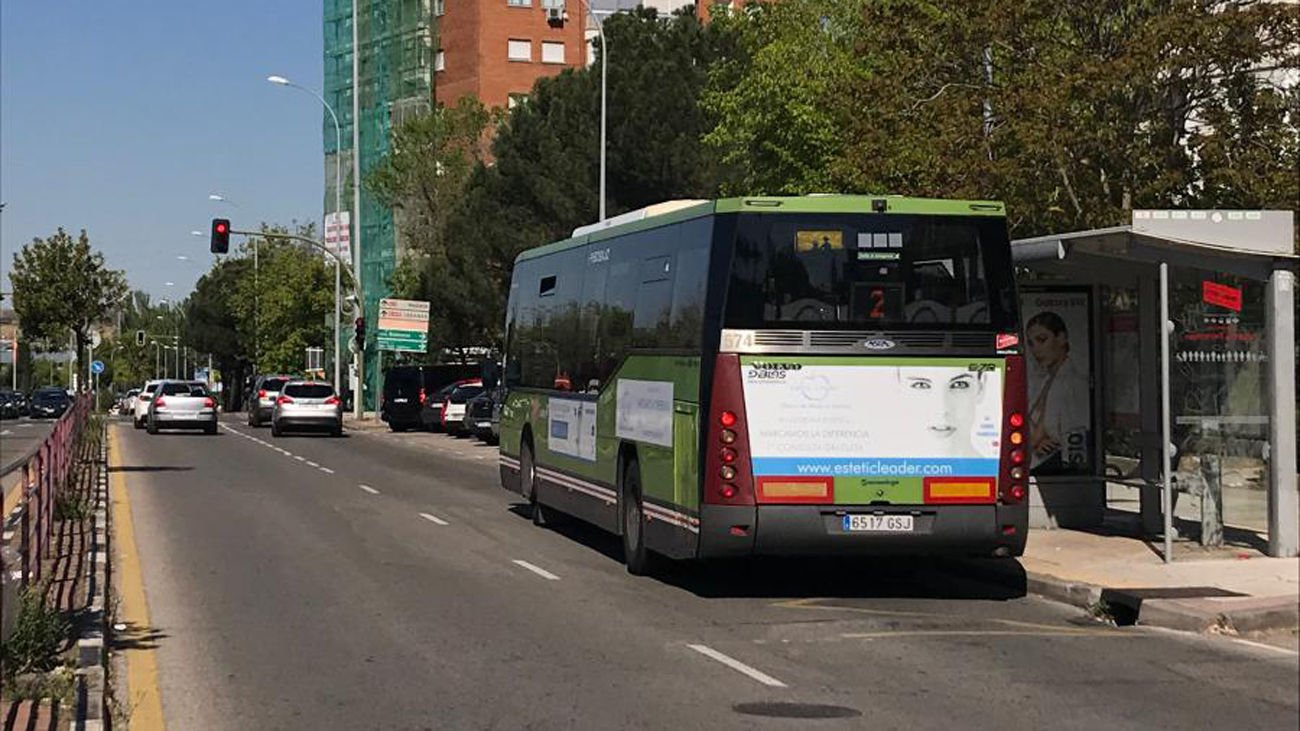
x: 17, y: 437
x: 322, y: 583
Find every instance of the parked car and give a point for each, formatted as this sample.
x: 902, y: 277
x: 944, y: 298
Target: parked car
x: 478, y: 416
x: 453, y: 409
x: 50, y: 402
x: 261, y: 404
x: 182, y: 405
x: 409, y: 389
x: 21, y: 402
x: 307, y: 405
x: 8, y: 405
x: 140, y: 410
x: 431, y: 413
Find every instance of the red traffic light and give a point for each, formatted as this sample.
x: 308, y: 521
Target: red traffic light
x: 220, y: 236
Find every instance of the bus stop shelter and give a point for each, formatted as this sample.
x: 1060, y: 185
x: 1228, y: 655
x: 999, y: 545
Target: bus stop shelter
x: 1162, y: 376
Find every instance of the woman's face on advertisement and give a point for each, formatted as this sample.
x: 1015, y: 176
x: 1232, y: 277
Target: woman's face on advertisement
x: 944, y: 399
x: 1047, y: 347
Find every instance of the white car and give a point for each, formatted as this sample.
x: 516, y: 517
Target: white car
x: 142, y: 401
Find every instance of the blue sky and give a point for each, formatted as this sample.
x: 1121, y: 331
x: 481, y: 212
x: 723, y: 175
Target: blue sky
x: 121, y: 118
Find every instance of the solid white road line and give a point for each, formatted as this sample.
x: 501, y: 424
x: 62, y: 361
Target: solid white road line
x: 536, y: 570
x: 434, y: 519
x: 738, y: 666
x: 369, y: 489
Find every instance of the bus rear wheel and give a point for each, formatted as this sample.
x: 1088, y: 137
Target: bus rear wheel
x: 528, y: 486
x: 639, y: 560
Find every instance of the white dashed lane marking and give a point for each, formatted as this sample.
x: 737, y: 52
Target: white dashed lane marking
x: 536, y: 570
x: 737, y: 665
x: 369, y: 489
x: 434, y: 519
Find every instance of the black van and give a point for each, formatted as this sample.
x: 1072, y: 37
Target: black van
x: 407, y: 387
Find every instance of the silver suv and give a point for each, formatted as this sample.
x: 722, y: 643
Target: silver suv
x: 262, y: 401
x: 304, y: 405
x: 182, y: 405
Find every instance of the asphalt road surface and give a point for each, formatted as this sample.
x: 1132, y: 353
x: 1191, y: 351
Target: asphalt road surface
x: 315, y: 583
x: 18, y: 436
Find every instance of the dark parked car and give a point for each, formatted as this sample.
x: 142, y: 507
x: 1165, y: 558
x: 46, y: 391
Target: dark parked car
x: 478, y: 416
x: 9, y: 405
x: 408, y: 389
x: 50, y: 403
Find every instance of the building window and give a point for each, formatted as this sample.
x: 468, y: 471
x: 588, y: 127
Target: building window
x: 520, y: 3
x: 439, y: 7
x: 518, y: 50
x: 440, y: 61
x: 514, y: 99
x: 552, y: 52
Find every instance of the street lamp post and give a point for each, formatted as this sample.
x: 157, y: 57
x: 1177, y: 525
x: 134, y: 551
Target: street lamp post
x: 338, y: 208
x: 604, y: 81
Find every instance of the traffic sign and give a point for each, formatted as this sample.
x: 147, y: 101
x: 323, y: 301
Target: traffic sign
x: 410, y: 342
x: 403, y: 325
x: 97, y: 367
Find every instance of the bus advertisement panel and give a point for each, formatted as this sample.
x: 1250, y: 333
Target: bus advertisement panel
x: 905, y: 431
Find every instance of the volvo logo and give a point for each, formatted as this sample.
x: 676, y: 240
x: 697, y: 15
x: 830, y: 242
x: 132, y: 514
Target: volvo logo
x: 878, y: 344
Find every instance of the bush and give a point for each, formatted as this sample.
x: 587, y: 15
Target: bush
x: 38, y: 636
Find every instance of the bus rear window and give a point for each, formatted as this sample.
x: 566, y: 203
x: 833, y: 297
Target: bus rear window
x: 857, y: 271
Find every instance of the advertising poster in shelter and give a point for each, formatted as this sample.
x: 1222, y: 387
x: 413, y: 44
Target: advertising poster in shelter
x: 1058, y: 352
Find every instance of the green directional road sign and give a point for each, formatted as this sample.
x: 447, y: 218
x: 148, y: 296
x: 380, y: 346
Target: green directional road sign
x: 405, y: 340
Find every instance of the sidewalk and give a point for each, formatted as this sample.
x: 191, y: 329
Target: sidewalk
x: 370, y: 423
x: 1232, y: 590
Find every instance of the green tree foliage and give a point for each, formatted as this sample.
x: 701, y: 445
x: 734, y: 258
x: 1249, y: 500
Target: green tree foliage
x: 544, y: 178
x: 61, y: 286
x: 283, y: 304
x: 1073, y: 114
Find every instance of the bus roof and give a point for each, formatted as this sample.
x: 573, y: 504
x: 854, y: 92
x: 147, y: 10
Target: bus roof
x: 667, y: 212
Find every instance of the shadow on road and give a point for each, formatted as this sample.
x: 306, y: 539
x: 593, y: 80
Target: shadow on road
x: 136, y: 637
x: 865, y: 577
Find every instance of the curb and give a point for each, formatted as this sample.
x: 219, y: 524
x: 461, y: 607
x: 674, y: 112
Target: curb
x: 1190, y: 609
x: 92, y: 659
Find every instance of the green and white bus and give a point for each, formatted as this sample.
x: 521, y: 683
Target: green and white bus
x: 815, y: 375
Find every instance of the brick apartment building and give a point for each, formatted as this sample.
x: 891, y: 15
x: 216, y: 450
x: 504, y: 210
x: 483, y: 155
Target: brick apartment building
x: 496, y: 49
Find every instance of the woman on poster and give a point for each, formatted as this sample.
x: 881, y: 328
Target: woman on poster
x: 1058, y: 397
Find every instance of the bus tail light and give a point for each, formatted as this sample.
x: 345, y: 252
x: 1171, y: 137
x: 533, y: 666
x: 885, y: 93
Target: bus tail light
x: 728, y: 479
x: 1014, y: 476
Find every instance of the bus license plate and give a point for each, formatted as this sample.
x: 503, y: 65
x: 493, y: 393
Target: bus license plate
x: 878, y: 523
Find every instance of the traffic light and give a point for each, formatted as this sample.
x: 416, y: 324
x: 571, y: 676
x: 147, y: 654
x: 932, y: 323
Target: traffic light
x: 139, y: 338
x: 361, y: 330
x: 220, y: 235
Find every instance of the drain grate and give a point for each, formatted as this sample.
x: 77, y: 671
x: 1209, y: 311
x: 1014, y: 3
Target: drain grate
x: 795, y: 710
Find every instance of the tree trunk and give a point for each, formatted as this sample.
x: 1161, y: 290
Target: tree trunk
x: 82, y: 343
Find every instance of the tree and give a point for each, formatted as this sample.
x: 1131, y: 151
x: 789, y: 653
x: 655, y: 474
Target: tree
x: 1073, y: 114
x: 545, y: 178
x: 215, y: 326
x: 61, y: 285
